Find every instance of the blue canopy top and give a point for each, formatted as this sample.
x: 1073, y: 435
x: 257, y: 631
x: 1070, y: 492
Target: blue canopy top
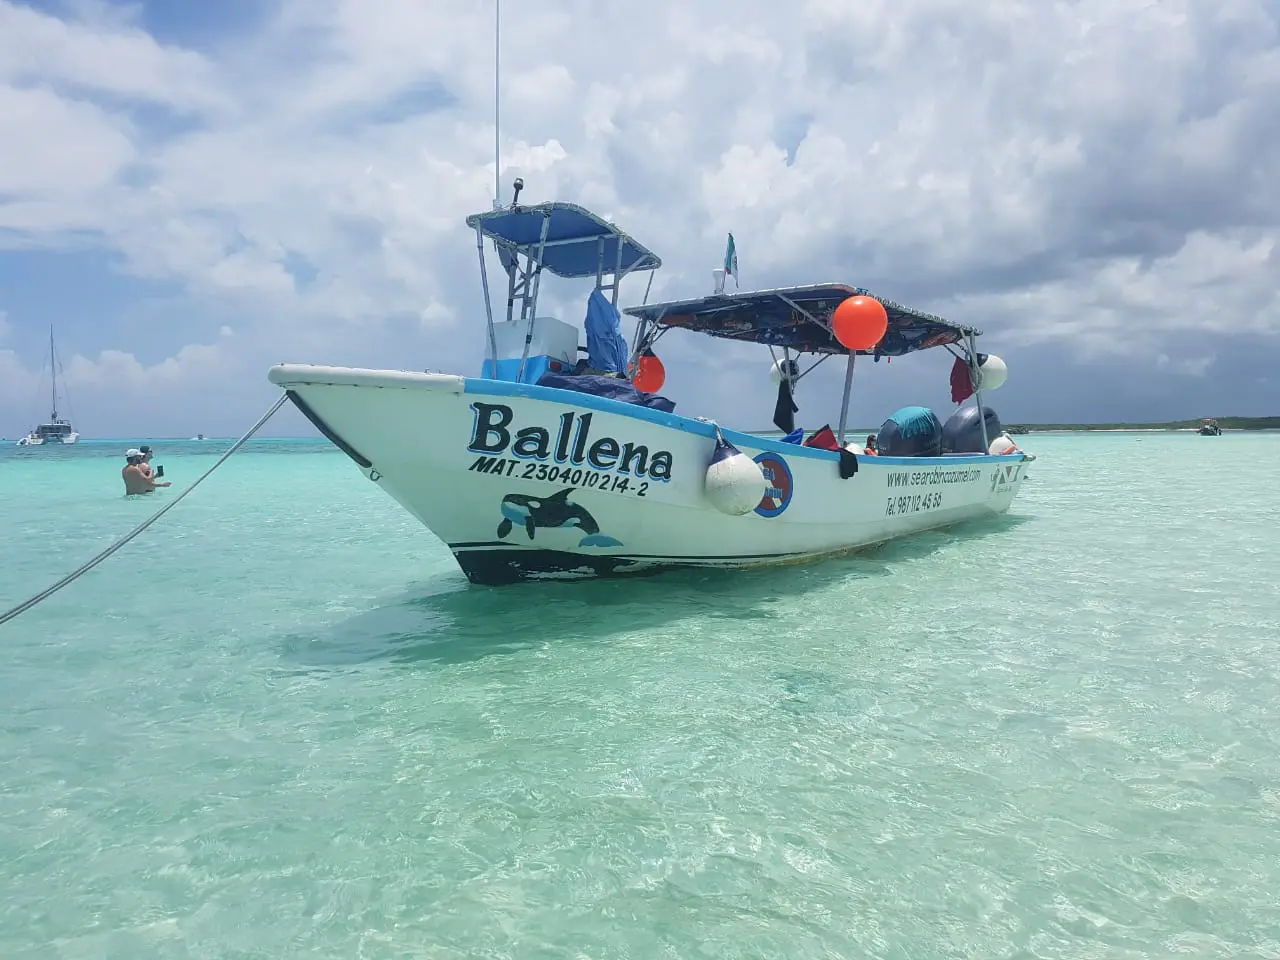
x: 771, y: 317
x: 578, y: 243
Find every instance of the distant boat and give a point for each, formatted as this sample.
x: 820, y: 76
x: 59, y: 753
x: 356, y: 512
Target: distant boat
x: 198, y: 436
x: 1209, y: 428
x: 57, y: 429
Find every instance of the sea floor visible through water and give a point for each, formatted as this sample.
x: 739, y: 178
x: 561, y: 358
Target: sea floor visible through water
x: 281, y: 724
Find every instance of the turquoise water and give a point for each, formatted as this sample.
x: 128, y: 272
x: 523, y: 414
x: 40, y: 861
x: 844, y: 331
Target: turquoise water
x: 281, y: 724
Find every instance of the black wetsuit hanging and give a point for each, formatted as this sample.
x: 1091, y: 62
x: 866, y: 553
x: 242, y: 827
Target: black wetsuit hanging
x: 785, y: 410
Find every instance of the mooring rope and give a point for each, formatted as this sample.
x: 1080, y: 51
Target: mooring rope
x: 77, y: 574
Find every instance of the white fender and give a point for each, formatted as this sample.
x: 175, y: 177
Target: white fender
x: 735, y: 484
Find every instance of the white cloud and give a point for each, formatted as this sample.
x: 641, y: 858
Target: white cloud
x: 45, y: 167
x: 1098, y: 174
x: 116, y: 372
x: 1191, y: 367
x: 103, y: 54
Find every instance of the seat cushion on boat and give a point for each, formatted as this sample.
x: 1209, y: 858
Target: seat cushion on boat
x: 615, y: 388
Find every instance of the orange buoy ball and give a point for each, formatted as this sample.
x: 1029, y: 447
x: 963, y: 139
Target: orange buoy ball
x: 859, y: 322
x: 650, y: 374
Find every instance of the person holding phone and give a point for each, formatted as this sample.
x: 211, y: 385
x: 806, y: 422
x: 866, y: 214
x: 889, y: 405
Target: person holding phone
x: 154, y: 472
x: 138, y: 476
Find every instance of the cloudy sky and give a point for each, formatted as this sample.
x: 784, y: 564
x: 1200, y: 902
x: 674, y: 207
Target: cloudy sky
x: 191, y: 191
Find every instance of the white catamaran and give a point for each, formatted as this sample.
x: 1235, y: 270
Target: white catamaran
x: 550, y: 464
x: 57, y: 429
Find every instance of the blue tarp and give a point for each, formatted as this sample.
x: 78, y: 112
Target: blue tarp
x: 916, y: 421
x: 606, y: 349
x: 614, y: 388
x: 910, y: 432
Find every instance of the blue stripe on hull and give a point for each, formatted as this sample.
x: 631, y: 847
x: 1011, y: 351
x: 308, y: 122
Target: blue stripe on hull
x: 572, y: 398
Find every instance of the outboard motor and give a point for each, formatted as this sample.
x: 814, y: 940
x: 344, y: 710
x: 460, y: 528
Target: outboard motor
x: 911, y: 432
x: 962, y: 432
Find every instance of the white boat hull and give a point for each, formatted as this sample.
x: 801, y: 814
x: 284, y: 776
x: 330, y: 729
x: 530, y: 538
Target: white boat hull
x: 55, y: 440
x: 526, y: 482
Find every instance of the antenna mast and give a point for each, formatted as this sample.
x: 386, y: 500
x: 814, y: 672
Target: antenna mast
x: 53, y: 371
x: 497, y: 147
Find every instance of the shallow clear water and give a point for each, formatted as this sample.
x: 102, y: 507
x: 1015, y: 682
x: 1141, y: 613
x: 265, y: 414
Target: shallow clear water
x: 280, y: 724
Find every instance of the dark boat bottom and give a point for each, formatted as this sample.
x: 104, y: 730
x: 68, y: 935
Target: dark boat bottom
x: 496, y: 567
x: 499, y: 566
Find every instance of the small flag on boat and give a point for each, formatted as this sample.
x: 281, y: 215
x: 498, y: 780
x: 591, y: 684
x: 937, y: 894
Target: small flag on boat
x: 731, y: 260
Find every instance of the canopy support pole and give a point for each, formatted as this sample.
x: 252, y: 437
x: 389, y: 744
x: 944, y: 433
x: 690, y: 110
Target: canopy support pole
x: 807, y: 315
x: 844, y: 403
x: 512, y: 270
x: 617, y: 275
x: 488, y: 307
x: 643, y: 339
x: 803, y: 373
x: 976, y: 377
x: 532, y: 303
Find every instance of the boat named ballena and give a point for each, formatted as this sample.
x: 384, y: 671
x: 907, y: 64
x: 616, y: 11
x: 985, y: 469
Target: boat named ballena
x: 563, y: 461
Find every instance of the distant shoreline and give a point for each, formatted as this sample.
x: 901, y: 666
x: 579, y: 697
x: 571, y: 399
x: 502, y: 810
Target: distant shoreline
x: 1227, y: 424
x: 1170, y: 426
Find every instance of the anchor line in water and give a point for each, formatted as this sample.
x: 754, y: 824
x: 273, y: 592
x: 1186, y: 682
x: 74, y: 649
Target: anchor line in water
x: 77, y: 574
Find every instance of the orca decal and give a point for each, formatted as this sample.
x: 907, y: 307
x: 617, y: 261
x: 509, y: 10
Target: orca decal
x: 555, y: 512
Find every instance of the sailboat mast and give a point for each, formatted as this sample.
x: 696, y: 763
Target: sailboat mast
x: 53, y: 369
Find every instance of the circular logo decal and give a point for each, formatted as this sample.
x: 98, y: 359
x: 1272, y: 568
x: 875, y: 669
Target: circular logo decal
x: 777, y: 476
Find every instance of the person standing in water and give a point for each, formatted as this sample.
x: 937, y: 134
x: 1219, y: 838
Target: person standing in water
x: 136, y: 478
x: 155, y: 473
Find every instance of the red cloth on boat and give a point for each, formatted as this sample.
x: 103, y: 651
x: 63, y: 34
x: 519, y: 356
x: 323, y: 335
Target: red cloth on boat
x: 961, y: 382
x: 824, y: 439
